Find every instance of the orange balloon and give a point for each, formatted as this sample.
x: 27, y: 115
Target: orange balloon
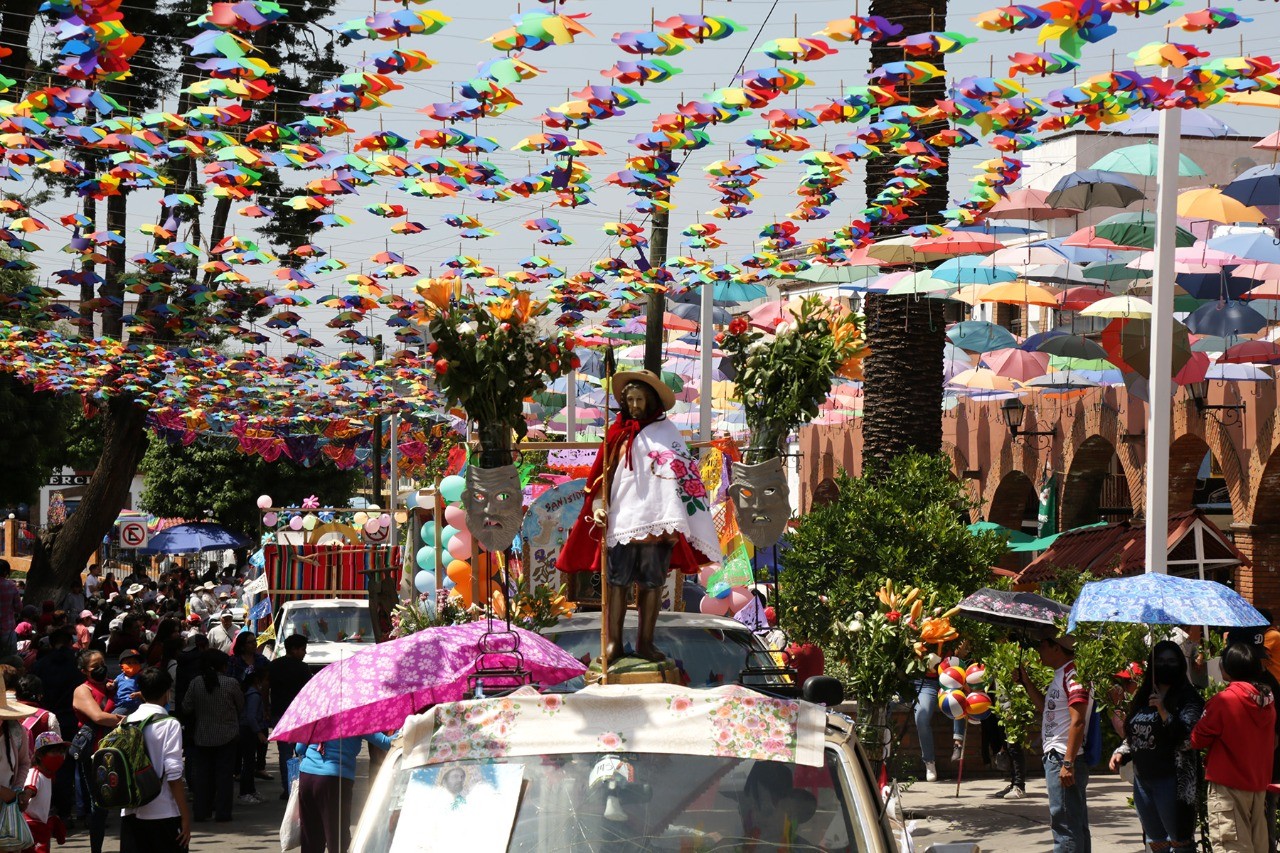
x: 459, y: 571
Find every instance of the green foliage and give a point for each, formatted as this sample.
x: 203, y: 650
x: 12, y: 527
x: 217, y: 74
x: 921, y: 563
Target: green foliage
x: 1012, y: 705
x: 184, y: 482
x: 908, y: 527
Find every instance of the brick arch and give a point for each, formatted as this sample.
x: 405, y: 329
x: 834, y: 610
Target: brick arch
x: 1103, y: 421
x: 1264, y: 471
x: 1008, y: 503
x: 1082, y: 486
x: 1191, y: 430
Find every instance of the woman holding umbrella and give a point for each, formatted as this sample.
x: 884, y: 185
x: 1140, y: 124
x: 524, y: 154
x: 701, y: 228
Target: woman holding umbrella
x: 1157, y: 728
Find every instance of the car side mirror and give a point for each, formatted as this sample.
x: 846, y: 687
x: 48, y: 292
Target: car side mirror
x: 823, y: 690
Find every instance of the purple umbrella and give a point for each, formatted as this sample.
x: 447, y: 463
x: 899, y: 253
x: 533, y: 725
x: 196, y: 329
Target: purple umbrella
x: 377, y: 689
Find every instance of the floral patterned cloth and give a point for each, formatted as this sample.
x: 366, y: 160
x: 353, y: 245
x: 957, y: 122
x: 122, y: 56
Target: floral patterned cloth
x: 730, y: 721
x: 378, y: 688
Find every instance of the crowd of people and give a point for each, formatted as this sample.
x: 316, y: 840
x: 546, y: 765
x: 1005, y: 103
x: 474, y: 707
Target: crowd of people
x: 171, y: 652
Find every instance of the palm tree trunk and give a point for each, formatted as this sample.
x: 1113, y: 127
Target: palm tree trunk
x: 902, y: 402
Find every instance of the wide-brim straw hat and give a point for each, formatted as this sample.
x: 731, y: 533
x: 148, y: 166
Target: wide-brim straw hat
x: 665, y: 395
x: 12, y: 709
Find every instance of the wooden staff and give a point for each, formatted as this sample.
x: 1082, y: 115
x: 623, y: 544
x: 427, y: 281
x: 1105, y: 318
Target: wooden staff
x: 609, y: 369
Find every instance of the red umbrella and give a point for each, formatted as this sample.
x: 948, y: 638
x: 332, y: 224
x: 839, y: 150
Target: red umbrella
x: 1029, y: 204
x: 1251, y: 352
x: 1194, y: 370
x: 1076, y: 298
x: 957, y: 243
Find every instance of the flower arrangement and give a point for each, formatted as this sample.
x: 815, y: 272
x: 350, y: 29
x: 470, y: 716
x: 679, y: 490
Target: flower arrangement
x: 490, y: 356
x: 537, y: 610
x: 414, y: 615
x: 783, y: 378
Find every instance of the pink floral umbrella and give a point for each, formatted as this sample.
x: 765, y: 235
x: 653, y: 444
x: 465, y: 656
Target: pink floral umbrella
x: 378, y: 688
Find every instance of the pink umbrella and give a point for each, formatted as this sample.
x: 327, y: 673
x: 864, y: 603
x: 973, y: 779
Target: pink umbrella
x: 1029, y: 204
x: 378, y: 688
x: 957, y: 243
x: 1017, y: 364
x: 1086, y: 239
x: 1194, y: 370
x: 1078, y: 298
x: 766, y: 317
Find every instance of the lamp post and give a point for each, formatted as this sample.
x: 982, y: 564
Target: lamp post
x: 1013, y: 412
x: 1199, y: 392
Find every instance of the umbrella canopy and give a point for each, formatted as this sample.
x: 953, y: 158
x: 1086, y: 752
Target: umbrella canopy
x: 691, y: 311
x: 1020, y: 293
x: 1089, y: 188
x: 377, y: 688
x: 1260, y: 246
x: 972, y: 269
x: 1252, y: 352
x: 983, y: 379
x: 980, y: 336
x: 1077, y: 298
x: 1142, y: 160
x: 1225, y: 319
x: 1138, y: 230
x: 954, y: 243
x: 1072, y: 346
x: 1016, y: 363
x: 1018, y: 610
x: 1194, y: 123
x: 193, y: 538
x: 1160, y: 599
x: 1257, y: 186
x: 1029, y: 204
x: 833, y: 274
x: 1118, y: 306
x: 1212, y: 204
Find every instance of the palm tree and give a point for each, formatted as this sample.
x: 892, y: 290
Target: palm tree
x: 902, y: 395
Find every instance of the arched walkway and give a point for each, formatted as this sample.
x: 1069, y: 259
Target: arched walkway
x: 1090, y: 492
x: 1015, y: 501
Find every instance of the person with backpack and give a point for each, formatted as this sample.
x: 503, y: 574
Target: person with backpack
x: 1164, y: 710
x: 213, y: 705
x: 163, y: 824
x: 30, y: 691
x: 93, y: 708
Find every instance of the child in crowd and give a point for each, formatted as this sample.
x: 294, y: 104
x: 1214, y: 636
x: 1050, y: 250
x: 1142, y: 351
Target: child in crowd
x: 50, y: 754
x: 126, y: 683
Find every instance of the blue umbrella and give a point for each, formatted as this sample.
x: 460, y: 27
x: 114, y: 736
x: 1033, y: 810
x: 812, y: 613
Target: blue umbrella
x: 1258, y: 246
x: 1159, y: 599
x: 1225, y: 318
x: 972, y: 269
x: 1215, y: 285
x: 1082, y: 254
x: 1259, y: 185
x: 693, y: 311
x: 194, y: 537
x: 1089, y: 188
x: 1032, y: 344
x: 1237, y: 373
x: 980, y: 336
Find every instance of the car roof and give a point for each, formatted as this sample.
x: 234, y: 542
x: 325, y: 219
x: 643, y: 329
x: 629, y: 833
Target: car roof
x: 591, y: 621
x: 326, y: 602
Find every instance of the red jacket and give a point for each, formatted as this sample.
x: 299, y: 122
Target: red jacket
x: 1238, y: 729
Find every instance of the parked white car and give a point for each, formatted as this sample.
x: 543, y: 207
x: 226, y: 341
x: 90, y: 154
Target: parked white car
x: 335, y: 628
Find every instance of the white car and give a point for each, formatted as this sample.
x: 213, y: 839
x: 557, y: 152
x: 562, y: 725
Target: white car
x: 649, y: 767
x: 335, y: 628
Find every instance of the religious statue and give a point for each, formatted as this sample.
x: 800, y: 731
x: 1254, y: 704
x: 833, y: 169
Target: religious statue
x: 657, y: 513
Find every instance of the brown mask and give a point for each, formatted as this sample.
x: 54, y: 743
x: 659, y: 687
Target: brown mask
x: 493, y: 502
x: 762, y: 499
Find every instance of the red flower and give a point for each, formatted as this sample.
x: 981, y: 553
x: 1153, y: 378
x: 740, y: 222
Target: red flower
x: 893, y: 616
x: 738, y: 326
x: 441, y: 367
x: 432, y: 347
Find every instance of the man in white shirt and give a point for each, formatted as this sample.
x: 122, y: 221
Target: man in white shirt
x: 164, y: 824
x: 93, y: 582
x: 223, y: 635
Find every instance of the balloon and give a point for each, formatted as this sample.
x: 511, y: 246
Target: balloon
x: 295, y: 523
x: 953, y: 704
x: 270, y: 519
x: 373, y: 506
x: 979, y: 704
x: 309, y: 522
x: 451, y: 488
x: 975, y: 674
x: 264, y: 502
x: 384, y: 520
x: 411, y: 501
x: 459, y: 571
x: 448, y: 583
x: 360, y: 518
x: 446, y: 535
x: 426, y: 558
x: 739, y: 597
x: 951, y: 678
x: 714, y: 606
x: 372, y: 526
x: 460, y: 546
x: 705, y: 573
x: 455, y: 516
x: 425, y: 582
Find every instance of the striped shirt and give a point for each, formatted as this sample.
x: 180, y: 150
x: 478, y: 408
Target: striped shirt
x: 217, y: 714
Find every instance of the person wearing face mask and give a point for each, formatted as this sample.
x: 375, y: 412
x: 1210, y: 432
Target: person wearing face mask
x: 1156, y: 731
x: 93, y: 707
x: 45, y: 825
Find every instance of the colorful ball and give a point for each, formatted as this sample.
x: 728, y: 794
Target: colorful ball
x: 953, y: 661
x: 951, y: 677
x: 976, y: 674
x: 954, y: 704
x: 978, y: 704
x: 458, y: 571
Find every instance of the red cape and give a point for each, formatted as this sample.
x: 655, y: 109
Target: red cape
x: 581, y: 551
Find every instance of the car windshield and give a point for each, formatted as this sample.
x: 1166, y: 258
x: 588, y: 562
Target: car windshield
x: 626, y: 801
x: 706, y: 657
x: 348, y: 623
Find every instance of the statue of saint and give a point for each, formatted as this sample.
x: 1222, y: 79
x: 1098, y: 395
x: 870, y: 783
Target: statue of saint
x: 657, y: 517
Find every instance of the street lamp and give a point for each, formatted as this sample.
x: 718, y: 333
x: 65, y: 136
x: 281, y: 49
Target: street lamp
x: 1199, y: 392
x: 1012, y: 412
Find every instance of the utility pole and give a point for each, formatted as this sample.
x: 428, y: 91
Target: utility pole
x: 378, y: 351
x: 657, y: 303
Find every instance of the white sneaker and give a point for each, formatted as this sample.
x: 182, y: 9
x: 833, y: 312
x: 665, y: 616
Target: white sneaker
x: 1016, y: 794
x: 250, y: 799
x: 930, y: 772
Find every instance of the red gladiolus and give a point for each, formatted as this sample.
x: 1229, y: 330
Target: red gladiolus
x: 737, y: 326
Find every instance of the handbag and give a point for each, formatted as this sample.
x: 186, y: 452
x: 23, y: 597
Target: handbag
x: 14, y: 832
x: 291, y: 824
x: 80, y: 744
x: 292, y: 770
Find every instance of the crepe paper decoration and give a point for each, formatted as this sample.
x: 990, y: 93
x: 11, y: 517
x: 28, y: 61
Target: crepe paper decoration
x: 930, y: 44
x: 642, y: 71
x: 400, y: 61
x: 1008, y: 19
x: 796, y: 49
x: 390, y: 26
x: 699, y: 28
x: 1137, y: 8
x: 1209, y: 19
x: 1074, y: 23
x: 538, y: 31
x: 1041, y: 64
x: 649, y: 43
x: 871, y: 28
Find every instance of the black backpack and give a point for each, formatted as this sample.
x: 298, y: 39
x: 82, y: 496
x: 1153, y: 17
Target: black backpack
x: 121, y: 775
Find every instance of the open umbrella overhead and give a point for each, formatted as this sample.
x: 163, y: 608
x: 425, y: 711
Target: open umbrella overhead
x: 1072, y: 346
x: 1213, y: 205
x: 1160, y: 599
x: 1194, y: 123
x: 1016, y: 364
x: 1089, y: 188
x: 194, y: 537
x: 1257, y: 186
x: 377, y: 688
x: 1024, y: 611
x: 1029, y: 204
x: 980, y: 336
x: 1142, y: 160
x: 1225, y: 319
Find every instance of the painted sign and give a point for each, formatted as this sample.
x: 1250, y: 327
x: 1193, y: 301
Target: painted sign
x: 546, y: 526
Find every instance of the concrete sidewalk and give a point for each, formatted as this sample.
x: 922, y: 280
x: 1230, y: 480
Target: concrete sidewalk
x: 1017, y: 826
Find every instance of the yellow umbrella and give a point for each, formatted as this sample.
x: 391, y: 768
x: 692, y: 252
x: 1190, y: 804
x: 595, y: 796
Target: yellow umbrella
x: 983, y: 379
x: 1020, y: 293
x: 1211, y: 204
x: 1115, y: 307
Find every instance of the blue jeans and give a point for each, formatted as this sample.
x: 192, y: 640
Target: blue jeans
x: 926, y: 705
x: 1068, y: 809
x: 1163, y: 818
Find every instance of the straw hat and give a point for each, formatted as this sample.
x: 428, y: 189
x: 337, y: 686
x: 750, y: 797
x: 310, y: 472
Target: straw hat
x: 11, y: 709
x: 666, y: 396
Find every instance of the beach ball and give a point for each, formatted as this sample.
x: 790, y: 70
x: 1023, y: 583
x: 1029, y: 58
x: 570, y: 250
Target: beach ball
x: 954, y: 704
x: 976, y: 674
x: 425, y: 582
x: 264, y: 502
x: 951, y: 677
x: 978, y: 704
x: 270, y: 519
x: 451, y: 488
x: 953, y: 661
x: 426, y: 558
